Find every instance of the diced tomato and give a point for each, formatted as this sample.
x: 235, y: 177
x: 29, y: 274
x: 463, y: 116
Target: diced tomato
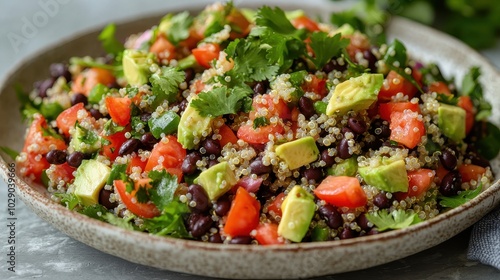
x: 206, y: 53
x: 114, y: 142
x: 419, y: 182
x: 38, y: 142
x: 358, y: 42
x: 166, y: 154
x: 63, y: 172
x: 440, y: 87
x: 243, y: 217
x: 316, y: 85
x: 267, y: 234
x: 239, y: 23
x: 259, y: 135
x: 466, y: 103
x: 275, y: 207
x: 227, y: 135
x: 197, y: 86
x: 192, y: 40
x: 136, y: 161
x: 406, y: 128
x: 305, y: 22
x: 31, y: 167
x: 394, y: 84
x: 440, y: 173
x: 274, y: 108
x: 471, y: 172
x: 386, y: 109
x: 341, y: 191
x: 119, y: 109
x: 163, y: 48
x: 144, y: 210
x: 68, y: 118
x: 87, y: 79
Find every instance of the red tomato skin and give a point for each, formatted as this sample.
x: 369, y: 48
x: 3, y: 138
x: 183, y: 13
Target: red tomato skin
x: 33, y: 168
x: 393, y: 84
x: 406, y: 128
x: 275, y: 207
x: 172, y: 152
x: 144, y: 210
x: 419, y: 182
x: 68, y: 118
x: 386, y: 109
x: 259, y: 135
x: 119, y: 109
x: 440, y: 87
x: 115, y: 142
x: 63, y: 172
x: 279, y: 109
x: 267, y: 234
x: 466, y: 103
x: 35, y: 135
x: 163, y: 48
x: 227, y: 135
x: 341, y: 191
x: 305, y: 22
x: 243, y: 217
x: 86, y: 80
x: 471, y: 172
x: 206, y: 53
x: 316, y: 85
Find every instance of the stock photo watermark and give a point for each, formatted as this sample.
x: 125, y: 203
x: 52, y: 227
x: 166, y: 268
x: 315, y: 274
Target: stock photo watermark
x: 31, y: 25
x: 11, y: 218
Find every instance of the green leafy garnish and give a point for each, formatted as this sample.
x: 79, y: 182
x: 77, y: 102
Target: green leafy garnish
x: 89, y: 62
x: 165, y: 85
x: 163, y: 188
x: 117, y: 171
x: 472, y: 87
x: 109, y: 42
x: 68, y: 200
x: 274, y: 19
x: 10, y: 152
x: 110, y: 128
x: 326, y: 47
x: 260, y: 121
x: 50, y: 132
x: 396, y: 219
x: 96, y: 211
x: 459, y: 199
x: 221, y: 101
x: 396, y: 60
x: 89, y: 137
x: 170, y: 222
x: 179, y: 27
x: 124, y: 223
x: 488, y: 145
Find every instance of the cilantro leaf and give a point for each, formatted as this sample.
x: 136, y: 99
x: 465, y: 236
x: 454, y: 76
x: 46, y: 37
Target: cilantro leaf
x: 221, y: 101
x: 117, y: 171
x: 49, y: 131
x: 260, y: 121
x: 179, y: 27
x: 110, y: 127
x: 326, y: 47
x: 396, y: 219
x: 275, y: 19
x: 119, y: 222
x: 170, y: 222
x: 69, y: 200
x: 488, y: 145
x: 109, y: 42
x: 472, y: 87
x: 396, y: 60
x: 142, y: 194
x: 89, y: 137
x: 10, y: 152
x: 166, y: 85
x: 459, y: 199
x: 163, y: 188
x: 96, y: 211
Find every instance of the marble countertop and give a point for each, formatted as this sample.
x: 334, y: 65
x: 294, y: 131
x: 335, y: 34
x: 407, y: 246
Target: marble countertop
x: 44, y: 252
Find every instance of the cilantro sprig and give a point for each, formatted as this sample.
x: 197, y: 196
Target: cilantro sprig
x: 326, y: 47
x: 397, y: 219
x: 165, y: 85
x: 459, y: 199
x: 472, y: 87
x: 223, y: 100
x: 109, y: 42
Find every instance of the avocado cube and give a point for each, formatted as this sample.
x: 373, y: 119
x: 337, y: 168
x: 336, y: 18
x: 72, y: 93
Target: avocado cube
x: 135, y: 67
x: 84, y: 140
x: 299, y: 152
x: 451, y: 121
x: 192, y: 126
x: 355, y: 94
x: 217, y: 180
x: 90, y: 178
x: 389, y: 177
x: 297, y: 212
x: 348, y: 167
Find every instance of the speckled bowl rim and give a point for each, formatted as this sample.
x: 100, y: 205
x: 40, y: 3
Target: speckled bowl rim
x: 79, y: 226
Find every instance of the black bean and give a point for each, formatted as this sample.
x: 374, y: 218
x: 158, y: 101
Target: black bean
x: 60, y: 70
x: 79, y: 98
x: 145, y: 117
x: 104, y: 196
x: 343, y: 149
x: 215, y: 238
x: 347, y: 233
x: 477, y: 160
x: 448, y: 159
x: 189, y: 74
x: 148, y: 140
x: 56, y: 157
x: 381, y: 201
x: 258, y: 168
x: 43, y: 86
x: 114, y: 84
x: 212, y: 162
x: 306, y: 107
x: 222, y: 206
x: 189, y: 164
x: 333, y: 65
x: 182, y: 105
x: 199, y: 224
x: 244, y: 240
x: 95, y: 113
x: 372, y: 231
x: 212, y: 147
x: 260, y: 88
x: 451, y: 183
x: 356, y: 125
x: 363, y: 222
x: 199, y: 197
x: 315, y: 174
x: 345, y: 130
x: 75, y: 159
x: 372, y: 60
x: 129, y: 146
x: 380, y: 129
x: 328, y: 159
x: 330, y: 214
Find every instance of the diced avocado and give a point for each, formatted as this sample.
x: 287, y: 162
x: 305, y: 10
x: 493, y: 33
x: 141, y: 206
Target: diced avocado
x: 291, y: 15
x: 90, y: 178
x: 451, y: 121
x: 348, y: 167
x: 136, y: 67
x: 217, y: 180
x: 355, y: 94
x: 297, y: 213
x: 298, y: 152
x: 389, y: 177
x: 84, y: 140
x: 97, y: 93
x: 345, y: 29
x: 192, y: 126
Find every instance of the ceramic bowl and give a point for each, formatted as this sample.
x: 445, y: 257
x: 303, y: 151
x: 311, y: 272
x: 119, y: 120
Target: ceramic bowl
x: 240, y: 261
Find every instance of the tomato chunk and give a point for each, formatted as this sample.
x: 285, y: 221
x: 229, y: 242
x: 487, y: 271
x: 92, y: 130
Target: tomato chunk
x: 243, y: 217
x: 471, y: 172
x: 166, y: 154
x: 113, y: 143
x: 419, y: 182
x: 394, y: 84
x: 406, y: 128
x: 267, y: 234
x: 144, y: 210
x: 274, y: 209
x: 273, y: 107
x: 68, y: 118
x: 305, y: 22
x: 341, y: 191
x: 206, y: 53
x: 86, y: 80
x: 162, y: 48
x: 119, y: 109
x: 227, y: 135
x: 466, y: 103
x: 386, y: 109
x: 259, y: 135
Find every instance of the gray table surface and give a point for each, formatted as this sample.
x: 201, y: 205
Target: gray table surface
x: 44, y: 252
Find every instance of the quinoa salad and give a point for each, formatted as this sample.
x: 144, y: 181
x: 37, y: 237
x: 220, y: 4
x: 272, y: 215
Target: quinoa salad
x: 261, y: 127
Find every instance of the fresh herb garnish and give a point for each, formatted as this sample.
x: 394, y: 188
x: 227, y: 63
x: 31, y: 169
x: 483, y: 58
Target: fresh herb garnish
x: 170, y: 222
x: 69, y: 200
x: 166, y: 85
x: 260, y: 121
x: 178, y: 29
x: 221, y: 101
x: 326, y: 47
x: 459, y: 199
x: 117, y: 171
x: 397, y: 219
x: 109, y: 42
x: 472, y: 87
x: 96, y: 211
x: 163, y: 188
x: 10, y: 152
x: 396, y: 60
x: 488, y: 145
